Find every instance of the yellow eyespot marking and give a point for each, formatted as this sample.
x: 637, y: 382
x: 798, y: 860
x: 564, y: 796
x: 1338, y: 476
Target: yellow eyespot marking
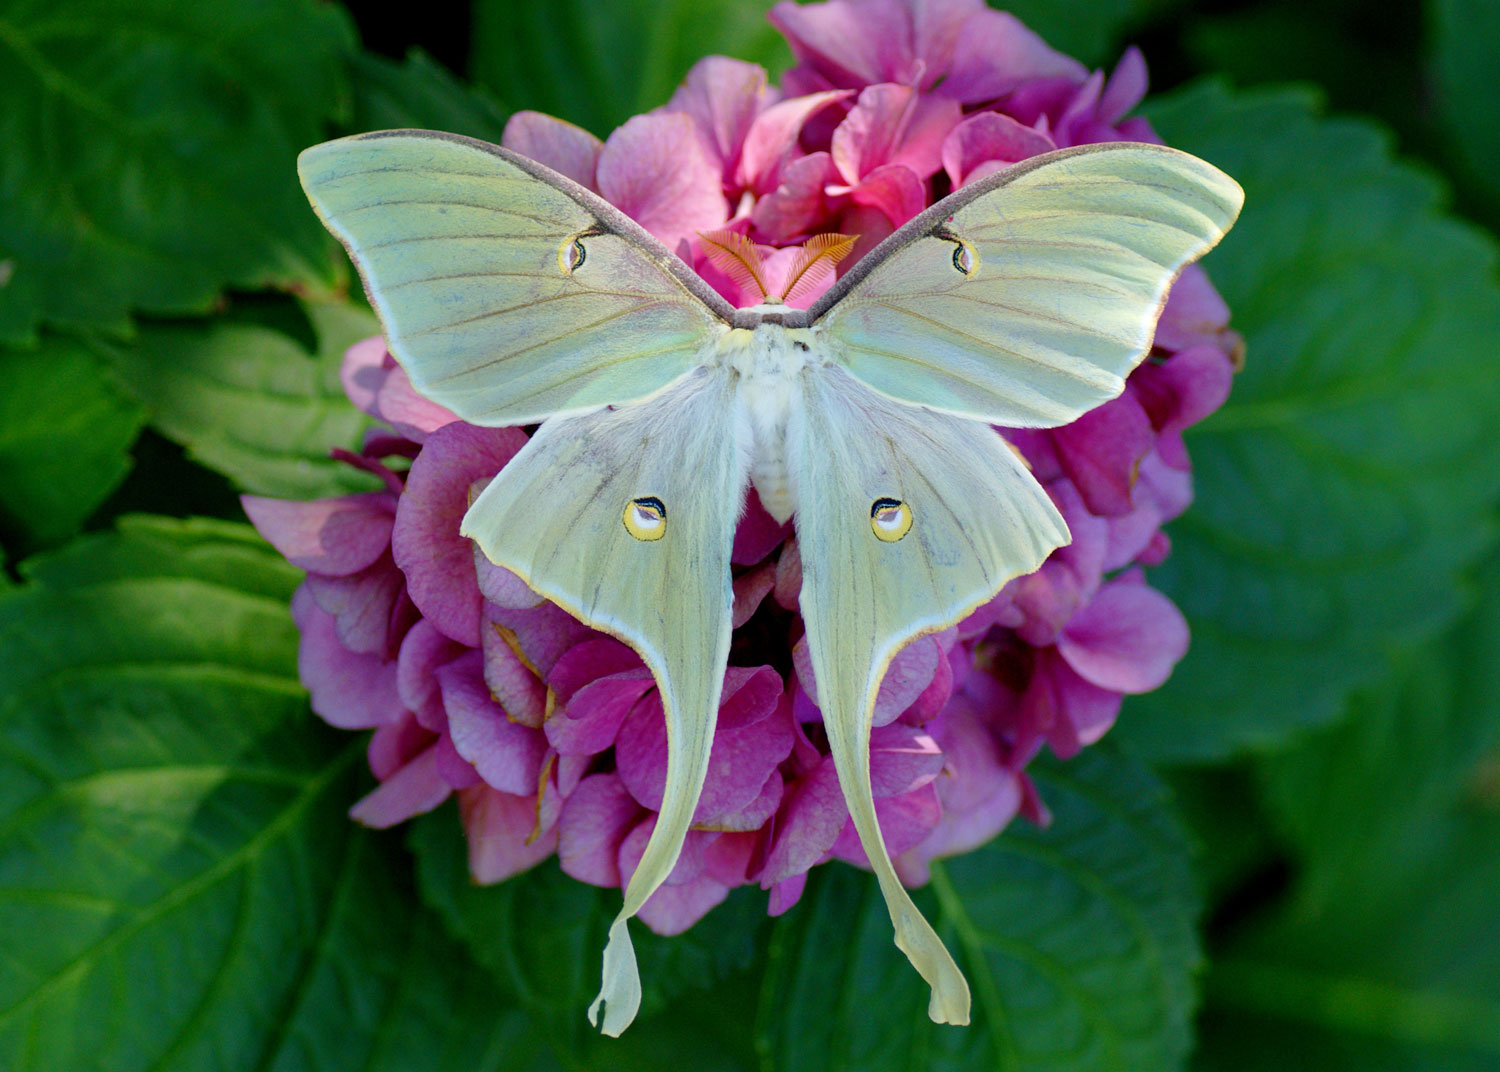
x: 965, y: 256
x: 890, y: 519
x: 646, y: 518
x: 571, y: 255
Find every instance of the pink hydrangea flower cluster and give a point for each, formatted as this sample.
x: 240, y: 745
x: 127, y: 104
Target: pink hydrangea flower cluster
x: 551, y: 735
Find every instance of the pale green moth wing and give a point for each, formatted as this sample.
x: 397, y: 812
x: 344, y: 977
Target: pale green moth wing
x: 907, y: 519
x: 1026, y: 298
x: 507, y: 292
x: 625, y: 517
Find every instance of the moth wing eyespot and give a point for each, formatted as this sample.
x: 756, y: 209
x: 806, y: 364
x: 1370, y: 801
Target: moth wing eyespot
x: 645, y: 518
x: 890, y: 519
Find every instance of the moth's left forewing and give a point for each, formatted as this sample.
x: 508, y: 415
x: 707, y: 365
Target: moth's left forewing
x: 907, y: 519
x: 625, y: 517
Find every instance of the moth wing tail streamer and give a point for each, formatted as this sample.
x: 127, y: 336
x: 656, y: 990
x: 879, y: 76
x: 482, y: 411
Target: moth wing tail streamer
x: 625, y: 517
x: 907, y: 519
x: 509, y: 293
x: 1026, y: 299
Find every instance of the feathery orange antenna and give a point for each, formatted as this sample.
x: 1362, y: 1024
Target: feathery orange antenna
x: 817, y: 259
x: 736, y: 256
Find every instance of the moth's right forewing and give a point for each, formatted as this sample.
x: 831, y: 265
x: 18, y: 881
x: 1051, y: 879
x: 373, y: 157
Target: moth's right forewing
x: 1026, y: 300
x: 507, y: 292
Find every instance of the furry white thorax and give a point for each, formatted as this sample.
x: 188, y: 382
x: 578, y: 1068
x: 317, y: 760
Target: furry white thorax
x: 769, y: 362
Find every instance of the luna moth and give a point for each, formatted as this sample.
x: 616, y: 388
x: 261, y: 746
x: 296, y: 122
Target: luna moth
x: 512, y: 295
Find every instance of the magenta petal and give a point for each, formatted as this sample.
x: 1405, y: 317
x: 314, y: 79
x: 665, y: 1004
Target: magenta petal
x: 457, y: 771
x: 870, y: 133
x: 514, y: 684
x: 1194, y: 313
x: 689, y: 863
x: 349, y: 690
x: 500, y: 828
x: 395, y: 744
x: 687, y: 894
x: 904, y: 821
x: 772, y: 138
x: 593, y: 658
x: 895, y: 190
x: 437, y: 561
x: 541, y: 634
x: 566, y: 149
x: 995, y: 53
x: 1183, y: 389
x: 416, y: 788
x: 422, y: 652
x: 595, y: 819
x: 908, y: 675
x: 750, y: 590
x: 362, y: 605
x: 592, y: 720
x: 332, y: 536
x: 799, y: 204
x: 1127, y: 639
x: 813, y: 814
x: 979, y: 796
x: 849, y: 44
x: 1101, y: 450
x: 1070, y: 575
x: 364, y: 368
x: 656, y: 170
x: 985, y: 138
x: 412, y: 416
x: 786, y: 893
x: 758, y: 533
x: 902, y: 759
x: 502, y: 587
x: 506, y: 754
x: 1125, y: 88
x: 723, y: 97
x: 1064, y: 708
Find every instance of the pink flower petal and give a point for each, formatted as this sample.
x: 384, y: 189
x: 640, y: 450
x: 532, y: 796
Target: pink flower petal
x: 909, y: 674
x: 416, y: 788
x: 988, y: 138
x: 364, y: 368
x: 395, y: 744
x: 799, y: 206
x: 772, y: 139
x: 541, y: 634
x: 424, y: 650
x: 995, y: 53
x: 1195, y: 314
x: 336, y: 536
x: 566, y: 149
x: 349, y: 690
x: 1071, y: 574
x: 812, y: 814
x: 904, y: 821
x: 758, y: 533
x: 506, y: 754
x: 722, y: 96
x: 849, y: 44
x: 502, y: 587
x: 655, y: 169
x: 499, y: 827
x: 363, y: 606
x: 750, y: 590
x: 437, y: 561
x: 595, y: 819
x: 1127, y: 639
x: 902, y: 759
x: 1125, y: 88
x: 1101, y: 450
x: 458, y: 772
x: 895, y: 190
x: 412, y: 416
x: 512, y: 682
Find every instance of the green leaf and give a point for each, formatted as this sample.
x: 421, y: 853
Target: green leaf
x: 1093, y: 32
x: 1348, y: 482
x: 1077, y: 941
x: 181, y: 886
x: 65, y: 435
x: 249, y: 402
x: 542, y: 933
x: 1463, y: 34
x: 420, y: 93
x: 1384, y: 957
x: 149, y: 154
x: 597, y: 64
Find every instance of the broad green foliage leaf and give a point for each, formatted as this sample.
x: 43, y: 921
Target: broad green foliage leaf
x: 65, y: 433
x: 420, y: 93
x: 148, y: 159
x: 1463, y: 36
x: 542, y: 933
x: 1093, y: 32
x: 251, y: 403
x: 596, y: 65
x: 1348, y: 481
x: 1077, y: 942
x: 179, y: 885
x: 1385, y: 958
